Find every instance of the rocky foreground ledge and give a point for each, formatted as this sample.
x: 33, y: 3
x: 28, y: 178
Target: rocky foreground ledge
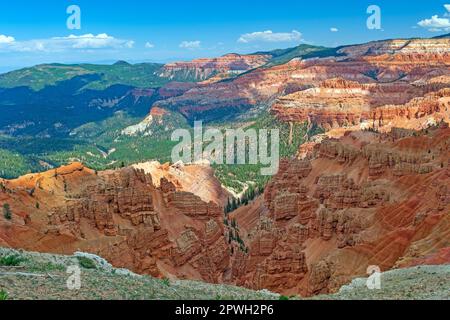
x: 418, y: 283
x: 39, y: 276
x: 28, y: 275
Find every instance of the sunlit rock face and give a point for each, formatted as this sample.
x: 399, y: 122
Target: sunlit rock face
x: 123, y: 215
x: 211, y: 69
x: 364, y: 199
x: 373, y: 190
x: 370, y: 82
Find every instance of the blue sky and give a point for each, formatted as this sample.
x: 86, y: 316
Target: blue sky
x: 33, y: 32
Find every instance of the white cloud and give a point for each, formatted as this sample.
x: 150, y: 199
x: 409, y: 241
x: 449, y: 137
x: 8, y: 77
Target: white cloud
x: 269, y: 36
x: 149, y: 45
x: 190, y: 44
x: 71, y: 42
x: 6, y: 39
x: 334, y: 29
x: 436, y: 23
x: 90, y: 41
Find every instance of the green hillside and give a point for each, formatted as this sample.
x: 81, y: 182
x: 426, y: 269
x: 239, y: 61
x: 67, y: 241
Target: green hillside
x: 304, y: 51
x: 41, y: 76
x: 53, y: 114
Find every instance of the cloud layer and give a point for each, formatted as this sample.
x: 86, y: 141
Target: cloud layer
x: 436, y: 23
x: 58, y: 44
x: 6, y: 39
x: 270, y: 36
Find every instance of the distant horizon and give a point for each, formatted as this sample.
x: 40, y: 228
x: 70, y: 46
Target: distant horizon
x: 85, y: 31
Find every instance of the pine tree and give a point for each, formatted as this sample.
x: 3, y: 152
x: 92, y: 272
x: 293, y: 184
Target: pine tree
x: 233, y: 205
x: 7, y: 211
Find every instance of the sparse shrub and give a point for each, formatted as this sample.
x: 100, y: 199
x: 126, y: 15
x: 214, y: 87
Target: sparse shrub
x: 3, y: 295
x: 7, y: 211
x: 86, y: 263
x: 11, y: 260
x: 166, y: 282
x: 37, y: 205
x: 283, y: 298
x: 47, y: 267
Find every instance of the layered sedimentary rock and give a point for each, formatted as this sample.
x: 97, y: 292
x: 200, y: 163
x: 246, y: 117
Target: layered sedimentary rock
x: 338, y: 103
x: 373, y: 85
x: 120, y: 215
x: 366, y: 199
x: 219, y: 68
x: 372, y: 191
x: 369, y: 82
x: 196, y: 179
x: 431, y: 47
x: 250, y: 90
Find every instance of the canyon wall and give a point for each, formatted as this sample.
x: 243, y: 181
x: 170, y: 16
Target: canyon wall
x: 213, y: 69
x: 372, y: 191
x: 120, y: 215
x: 366, y: 199
x: 370, y: 82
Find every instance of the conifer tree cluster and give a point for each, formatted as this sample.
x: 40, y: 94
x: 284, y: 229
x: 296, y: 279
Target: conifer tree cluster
x: 249, y: 195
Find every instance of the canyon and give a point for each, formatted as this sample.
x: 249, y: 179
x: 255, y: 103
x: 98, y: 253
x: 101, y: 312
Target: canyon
x: 372, y: 189
x: 211, y: 70
x: 365, y: 199
x: 359, y: 83
x: 157, y: 229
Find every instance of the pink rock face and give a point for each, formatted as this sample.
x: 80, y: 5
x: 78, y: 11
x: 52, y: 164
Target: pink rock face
x: 364, y: 199
x: 356, y: 198
x: 174, y: 89
x: 371, y: 83
x: 381, y: 82
x: 202, y: 69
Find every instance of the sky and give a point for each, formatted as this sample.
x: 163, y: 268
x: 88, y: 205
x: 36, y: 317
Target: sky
x: 35, y: 32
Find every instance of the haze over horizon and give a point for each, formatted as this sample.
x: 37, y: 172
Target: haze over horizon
x: 32, y: 33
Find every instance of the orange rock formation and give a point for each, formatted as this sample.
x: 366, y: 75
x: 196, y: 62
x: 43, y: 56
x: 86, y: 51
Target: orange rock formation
x: 365, y: 199
x: 370, y: 82
x: 374, y: 190
x: 120, y: 215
